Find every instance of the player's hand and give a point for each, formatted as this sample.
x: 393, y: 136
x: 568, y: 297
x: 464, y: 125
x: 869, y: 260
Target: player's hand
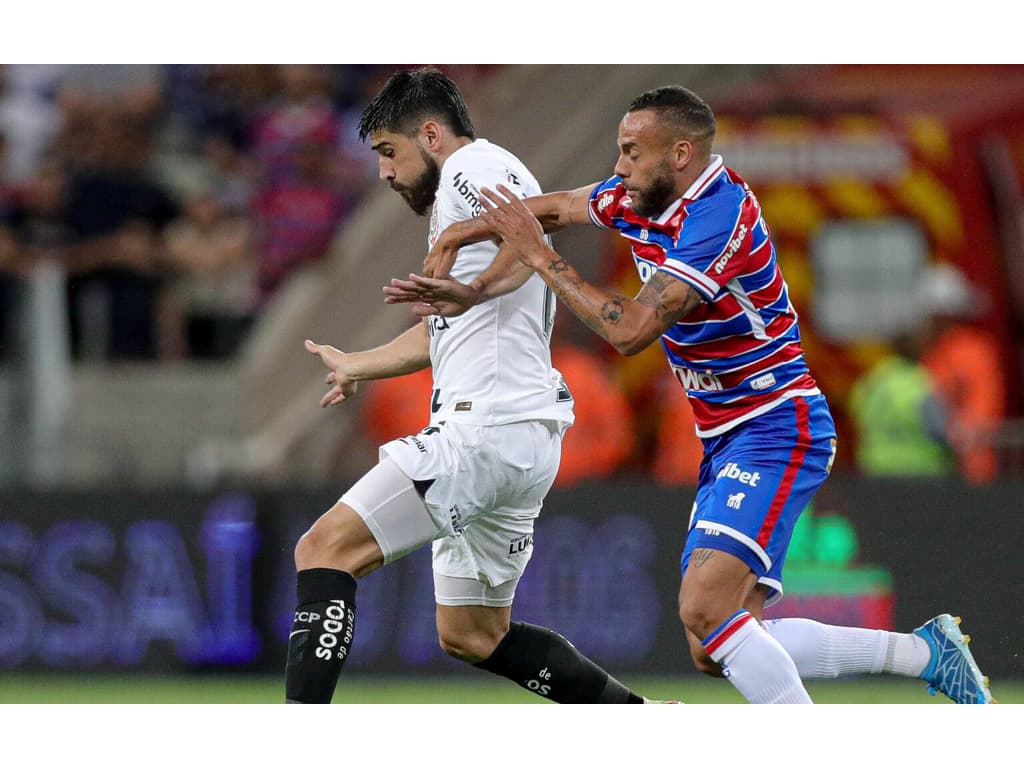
x: 441, y: 258
x: 509, y: 217
x: 341, y: 386
x: 432, y: 296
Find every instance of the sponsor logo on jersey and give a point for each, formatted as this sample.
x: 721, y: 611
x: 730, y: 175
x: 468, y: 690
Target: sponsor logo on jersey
x: 604, y: 201
x: 512, y: 178
x: 703, y: 381
x: 763, y: 382
x: 734, y: 246
x: 464, y: 405
x: 733, y: 471
x: 468, y: 191
x: 437, y: 324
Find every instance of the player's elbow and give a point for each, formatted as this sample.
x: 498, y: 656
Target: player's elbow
x: 631, y: 348
x: 631, y: 343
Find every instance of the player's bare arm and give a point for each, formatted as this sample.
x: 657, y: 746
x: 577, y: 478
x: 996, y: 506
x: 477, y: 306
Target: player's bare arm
x: 407, y: 353
x: 449, y: 297
x: 630, y: 325
x: 554, y: 211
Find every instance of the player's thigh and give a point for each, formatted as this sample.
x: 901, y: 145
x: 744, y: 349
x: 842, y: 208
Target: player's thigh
x: 392, y: 512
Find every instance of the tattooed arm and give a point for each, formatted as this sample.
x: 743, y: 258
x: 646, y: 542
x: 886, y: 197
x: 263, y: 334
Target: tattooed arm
x: 629, y: 325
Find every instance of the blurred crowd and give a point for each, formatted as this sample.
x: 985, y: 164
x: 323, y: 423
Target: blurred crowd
x: 176, y: 198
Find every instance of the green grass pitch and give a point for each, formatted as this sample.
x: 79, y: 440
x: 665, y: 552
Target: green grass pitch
x: 261, y: 689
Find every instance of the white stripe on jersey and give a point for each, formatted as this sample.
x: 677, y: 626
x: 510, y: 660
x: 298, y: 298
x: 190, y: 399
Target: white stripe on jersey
x: 756, y: 321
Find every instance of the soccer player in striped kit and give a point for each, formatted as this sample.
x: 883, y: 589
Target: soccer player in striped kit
x: 714, y: 295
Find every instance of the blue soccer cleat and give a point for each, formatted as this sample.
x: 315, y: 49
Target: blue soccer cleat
x: 952, y: 669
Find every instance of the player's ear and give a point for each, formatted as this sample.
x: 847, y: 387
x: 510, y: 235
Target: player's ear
x: 431, y: 135
x: 683, y: 152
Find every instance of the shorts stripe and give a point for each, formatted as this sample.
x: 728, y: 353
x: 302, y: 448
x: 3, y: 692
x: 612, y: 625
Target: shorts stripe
x: 796, y: 463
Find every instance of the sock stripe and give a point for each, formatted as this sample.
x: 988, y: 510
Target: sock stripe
x: 727, y: 629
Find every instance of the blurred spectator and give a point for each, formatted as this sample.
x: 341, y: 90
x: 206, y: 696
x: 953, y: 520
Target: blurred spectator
x: 602, y: 436
x: 296, y: 218
x: 678, y: 451
x: 211, y: 296
x: 116, y: 212
x: 32, y: 229
x: 898, y: 418
x: 964, y: 361
x: 29, y: 122
x: 396, y: 407
x: 301, y: 114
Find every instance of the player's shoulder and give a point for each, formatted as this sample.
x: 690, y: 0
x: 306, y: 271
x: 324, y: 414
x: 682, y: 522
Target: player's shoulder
x: 484, y: 163
x: 720, y: 205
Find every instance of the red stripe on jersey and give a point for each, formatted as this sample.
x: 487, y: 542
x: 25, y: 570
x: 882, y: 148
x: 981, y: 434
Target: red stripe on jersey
x: 796, y: 462
x: 649, y: 252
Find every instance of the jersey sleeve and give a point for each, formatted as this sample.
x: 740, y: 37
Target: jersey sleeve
x: 714, y: 244
x: 606, y: 202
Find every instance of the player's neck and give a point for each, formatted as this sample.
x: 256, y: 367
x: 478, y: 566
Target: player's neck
x: 450, y: 146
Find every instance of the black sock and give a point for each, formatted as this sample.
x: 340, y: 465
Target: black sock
x: 321, y: 634
x: 544, y: 662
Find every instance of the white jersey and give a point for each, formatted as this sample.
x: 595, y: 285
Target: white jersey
x: 492, y: 364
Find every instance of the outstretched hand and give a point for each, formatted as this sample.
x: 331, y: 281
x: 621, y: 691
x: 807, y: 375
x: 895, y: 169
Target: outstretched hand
x: 509, y: 217
x: 432, y: 296
x: 341, y: 386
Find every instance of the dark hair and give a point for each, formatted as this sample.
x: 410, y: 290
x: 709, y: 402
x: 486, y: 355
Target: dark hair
x: 681, y: 107
x: 411, y: 96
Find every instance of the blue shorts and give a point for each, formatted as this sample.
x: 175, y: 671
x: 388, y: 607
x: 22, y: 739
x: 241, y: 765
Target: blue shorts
x: 754, y: 482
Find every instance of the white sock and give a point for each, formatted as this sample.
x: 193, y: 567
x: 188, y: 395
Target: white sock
x: 823, y: 650
x: 755, y: 663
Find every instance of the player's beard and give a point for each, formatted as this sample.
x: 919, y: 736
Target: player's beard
x: 420, y: 193
x: 657, y: 196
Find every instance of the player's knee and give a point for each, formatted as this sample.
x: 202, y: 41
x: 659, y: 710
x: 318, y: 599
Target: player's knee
x: 319, y: 546
x: 308, y: 549
x: 697, y: 614
x: 470, y: 647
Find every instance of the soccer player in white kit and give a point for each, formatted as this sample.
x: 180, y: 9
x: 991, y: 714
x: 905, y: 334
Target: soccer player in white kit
x: 472, y: 482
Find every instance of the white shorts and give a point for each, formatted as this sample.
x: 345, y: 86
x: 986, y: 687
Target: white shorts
x: 484, y: 487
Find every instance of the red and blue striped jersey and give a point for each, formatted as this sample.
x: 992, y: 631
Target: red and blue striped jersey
x: 738, y: 354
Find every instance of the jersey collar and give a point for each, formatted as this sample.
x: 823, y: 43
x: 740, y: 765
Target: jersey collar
x: 707, y: 176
